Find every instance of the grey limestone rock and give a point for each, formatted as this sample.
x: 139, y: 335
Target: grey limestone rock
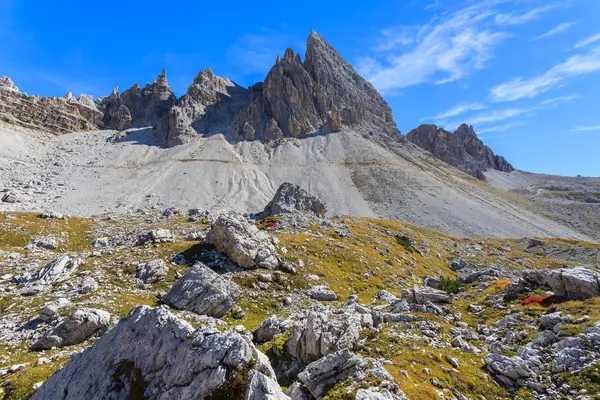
x: 89, y: 285
x: 50, y: 114
x: 79, y: 326
x: 319, y: 376
x: 244, y: 243
x: 461, y: 149
x: 423, y: 294
x: 270, y: 328
x: 511, y: 367
x: 324, y: 331
x: 153, y: 271
x: 322, y: 293
x: 154, y: 355
x: 203, y: 291
x: 318, y: 96
x: 59, y: 269
x: 50, y: 311
x: 578, y: 283
x: 291, y: 198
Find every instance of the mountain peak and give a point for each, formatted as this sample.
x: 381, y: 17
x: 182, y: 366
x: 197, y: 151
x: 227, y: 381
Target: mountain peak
x: 321, y: 95
x: 461, y: 149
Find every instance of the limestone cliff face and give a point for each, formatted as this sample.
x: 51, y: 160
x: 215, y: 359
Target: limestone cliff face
x: 323, y: 94
x: 461, y: 149
x: 208, y: 107
x: 149, y: 106
x: 48, y: 114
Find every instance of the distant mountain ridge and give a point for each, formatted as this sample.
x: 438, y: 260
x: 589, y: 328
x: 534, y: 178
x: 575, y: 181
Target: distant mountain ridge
x: 297, y: 99
x: 320, y: 95
x: 461, y: 149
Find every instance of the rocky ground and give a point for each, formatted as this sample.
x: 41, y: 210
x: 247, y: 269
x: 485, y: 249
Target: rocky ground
x: 574, y: 201
x: 290, y: 304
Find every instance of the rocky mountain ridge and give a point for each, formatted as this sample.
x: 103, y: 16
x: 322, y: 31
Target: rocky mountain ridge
x: 461, y: 149
x: 50, y: 114
x: 297, y: 99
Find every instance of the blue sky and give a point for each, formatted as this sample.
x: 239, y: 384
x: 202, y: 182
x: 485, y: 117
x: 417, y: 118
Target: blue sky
x: 525, y: 73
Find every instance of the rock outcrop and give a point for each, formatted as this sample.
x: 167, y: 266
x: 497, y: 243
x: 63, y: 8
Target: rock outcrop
x: 208, y: 107
x: 203, y: 291
x: 344, y: 366
x: 153, y: 271
x: 79, y: 326
x: 49, y: 114
x: 461, y: 149
x: 270, y: 328
x: 321, y: 95
x: 147, y: 107
x: 58, y: 270
x: 325, y: 331
x: 244, y: 243
x: 291, y: 198
x: 154, y: 355
x: 571, y: 283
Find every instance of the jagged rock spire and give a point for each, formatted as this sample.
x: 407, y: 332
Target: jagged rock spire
x: 461, y: 149
x: 321, y: 95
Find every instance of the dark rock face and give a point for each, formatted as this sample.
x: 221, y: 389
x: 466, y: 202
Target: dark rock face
x: 208, y: 107
x: 461, y: 149
x: 149, y: 106
x: 292, y: 198
x: 318, y: 96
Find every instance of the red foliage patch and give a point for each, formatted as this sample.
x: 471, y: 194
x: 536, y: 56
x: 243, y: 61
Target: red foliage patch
x: 270, y: 224
x: 534, y: 300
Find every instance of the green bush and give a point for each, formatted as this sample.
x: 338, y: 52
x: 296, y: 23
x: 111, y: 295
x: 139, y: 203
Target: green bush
x: 450, y: 285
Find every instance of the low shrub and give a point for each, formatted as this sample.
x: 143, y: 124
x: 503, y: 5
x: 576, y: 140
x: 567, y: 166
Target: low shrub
x: 449, y: 285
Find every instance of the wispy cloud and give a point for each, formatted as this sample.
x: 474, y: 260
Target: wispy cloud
x: 500, y: 128
x: 483, y: 120
x: 500, y: 115
x: 555, y: 31
x: 256, y: 52
x: 519, y: 88
x: 586, y: 42
x: 87, y: 86
x: 560, y: 99
x: 457, y: 110
x: 448, y: 48
x: 392, y: 38
x: 521, y: 18
x: 586, y: 128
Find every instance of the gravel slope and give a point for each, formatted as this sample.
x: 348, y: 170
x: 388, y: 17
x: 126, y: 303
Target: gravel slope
x: 100, y: 172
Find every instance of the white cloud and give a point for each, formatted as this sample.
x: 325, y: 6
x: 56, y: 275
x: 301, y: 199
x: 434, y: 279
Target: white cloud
x: 448, y: 48
x: 516, y: 19
x: 587, y: 41
x: 501, y: 115
x: 519, y: 88
x: 560, y: 99
x: 500, y: 128
x: 555, y: 31
x: 492, y: 117
x: 586, y: 128
x: 395, y: 37
x: 456, y: 110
